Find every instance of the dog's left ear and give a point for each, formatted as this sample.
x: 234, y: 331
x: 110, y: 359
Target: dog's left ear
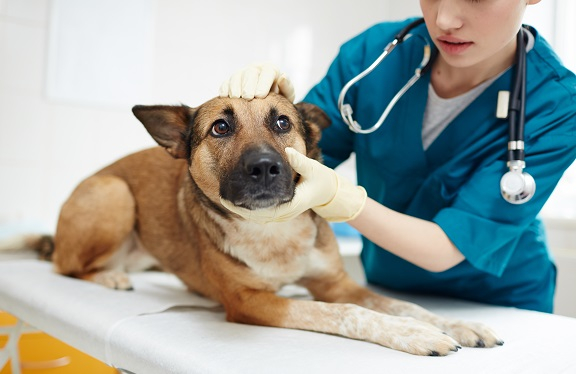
x: 168, y: 125
x: 314, y: 120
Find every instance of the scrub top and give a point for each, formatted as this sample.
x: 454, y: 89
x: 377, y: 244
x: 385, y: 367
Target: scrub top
x: 456, y: 181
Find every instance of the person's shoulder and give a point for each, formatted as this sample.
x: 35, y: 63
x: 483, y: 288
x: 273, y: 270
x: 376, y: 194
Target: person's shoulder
x: 549, y: 67
x: 550, y: 95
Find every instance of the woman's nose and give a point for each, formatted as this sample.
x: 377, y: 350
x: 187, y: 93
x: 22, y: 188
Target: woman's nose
x: 449, y: 15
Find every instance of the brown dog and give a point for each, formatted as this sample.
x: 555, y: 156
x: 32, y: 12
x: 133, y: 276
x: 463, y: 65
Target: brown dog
x: 168, y: 205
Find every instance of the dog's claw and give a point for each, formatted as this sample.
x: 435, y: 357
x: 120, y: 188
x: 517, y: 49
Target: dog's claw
x: 470, y: 334
x: 500, y: 342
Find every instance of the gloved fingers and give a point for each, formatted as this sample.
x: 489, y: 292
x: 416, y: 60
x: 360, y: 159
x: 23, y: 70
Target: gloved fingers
x: 257, y: 80
x: 224, y: 89
x: 262, y: 216
x: 275, y: 88
x: 285, y: 87
x: 250, y: 78
x: 243, y: 212
x: 300, y: 163
x: 291, y: 209
x: 235, y: 85
x: 265, y: 80
x: 259, y: 216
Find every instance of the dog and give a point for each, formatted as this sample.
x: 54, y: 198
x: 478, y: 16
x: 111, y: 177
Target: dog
x: 161, y: 208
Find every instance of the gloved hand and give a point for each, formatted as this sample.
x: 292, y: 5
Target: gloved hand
x: 320, y: 188
x: 257, y: 80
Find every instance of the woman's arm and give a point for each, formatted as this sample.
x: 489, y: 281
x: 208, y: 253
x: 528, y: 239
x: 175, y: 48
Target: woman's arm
x: 420, y: 242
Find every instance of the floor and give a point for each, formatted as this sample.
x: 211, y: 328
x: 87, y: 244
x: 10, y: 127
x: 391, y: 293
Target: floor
x: 42, y: 354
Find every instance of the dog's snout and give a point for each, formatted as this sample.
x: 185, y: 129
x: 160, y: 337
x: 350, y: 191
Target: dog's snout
x: 260, y: 179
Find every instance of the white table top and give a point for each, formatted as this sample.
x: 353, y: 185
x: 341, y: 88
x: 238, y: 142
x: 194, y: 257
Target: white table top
x: 161, y: 328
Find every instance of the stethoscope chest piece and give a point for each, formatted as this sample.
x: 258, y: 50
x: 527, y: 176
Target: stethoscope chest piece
x: 517, y: 187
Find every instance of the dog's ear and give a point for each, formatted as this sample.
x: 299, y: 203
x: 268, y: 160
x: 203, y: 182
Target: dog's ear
x: 314, y: 120
x: 168, y: 125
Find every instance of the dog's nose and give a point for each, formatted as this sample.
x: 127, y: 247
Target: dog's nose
x: 263, y: 168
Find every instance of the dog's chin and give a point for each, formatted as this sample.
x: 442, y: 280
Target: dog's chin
x: 261, y: 202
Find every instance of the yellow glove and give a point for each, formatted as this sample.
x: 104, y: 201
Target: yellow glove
x: 257, y: 81
x: 320, y: 189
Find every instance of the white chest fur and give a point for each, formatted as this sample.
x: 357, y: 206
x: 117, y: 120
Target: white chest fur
x: 280, y: 252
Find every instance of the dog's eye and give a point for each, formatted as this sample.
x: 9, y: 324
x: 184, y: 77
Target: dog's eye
x: 220, y: 128
x: 282, y: 124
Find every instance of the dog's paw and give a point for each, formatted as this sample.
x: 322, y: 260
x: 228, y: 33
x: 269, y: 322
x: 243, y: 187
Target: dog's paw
x: 116, y: 280
x: 420, y: 338
x: 471, y: 334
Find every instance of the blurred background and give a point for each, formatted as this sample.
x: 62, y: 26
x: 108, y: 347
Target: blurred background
x: 70, y: 71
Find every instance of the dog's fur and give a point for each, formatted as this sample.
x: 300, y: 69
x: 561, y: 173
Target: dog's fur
x: 167, y: 204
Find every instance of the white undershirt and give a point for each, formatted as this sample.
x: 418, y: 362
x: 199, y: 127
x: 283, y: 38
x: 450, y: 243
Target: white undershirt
x: 440, y: 112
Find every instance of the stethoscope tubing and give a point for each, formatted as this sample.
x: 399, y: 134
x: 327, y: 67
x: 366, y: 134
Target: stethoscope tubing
x: 517, y: 105
x: 346, y: 109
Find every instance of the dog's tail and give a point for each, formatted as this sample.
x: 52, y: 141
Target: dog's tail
x: 43, y: 244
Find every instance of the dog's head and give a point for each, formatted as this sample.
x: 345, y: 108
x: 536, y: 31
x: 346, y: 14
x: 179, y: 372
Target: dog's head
x: 235, y: 147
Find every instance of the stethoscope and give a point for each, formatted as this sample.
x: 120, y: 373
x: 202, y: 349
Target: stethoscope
x: 516, y: 186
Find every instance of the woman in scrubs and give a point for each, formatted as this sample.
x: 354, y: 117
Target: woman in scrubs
x: 430, y: 209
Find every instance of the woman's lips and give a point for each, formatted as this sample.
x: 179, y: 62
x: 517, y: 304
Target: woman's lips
x: 452, y: 45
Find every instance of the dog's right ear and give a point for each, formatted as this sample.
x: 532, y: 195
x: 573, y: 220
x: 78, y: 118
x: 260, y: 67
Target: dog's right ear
x: 168, y: 125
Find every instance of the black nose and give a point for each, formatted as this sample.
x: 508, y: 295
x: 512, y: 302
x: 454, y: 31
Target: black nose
x: 263, y: 168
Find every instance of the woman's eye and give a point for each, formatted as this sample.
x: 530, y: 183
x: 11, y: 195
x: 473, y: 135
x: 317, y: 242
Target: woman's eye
x: 282, y: 124
x: 220, y: 128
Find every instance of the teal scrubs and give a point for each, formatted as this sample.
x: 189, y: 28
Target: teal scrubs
x: 455, y: 182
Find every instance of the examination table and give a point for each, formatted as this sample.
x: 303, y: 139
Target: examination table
x: 161, y: 328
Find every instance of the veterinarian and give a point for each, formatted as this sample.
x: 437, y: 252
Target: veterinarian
x: 430, y: 209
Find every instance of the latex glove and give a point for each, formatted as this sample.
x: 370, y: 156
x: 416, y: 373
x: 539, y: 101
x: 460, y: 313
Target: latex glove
x: 320, y: 189
x: 257, y: 81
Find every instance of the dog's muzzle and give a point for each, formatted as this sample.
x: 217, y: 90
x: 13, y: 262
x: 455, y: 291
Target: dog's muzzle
x: 260, y: 179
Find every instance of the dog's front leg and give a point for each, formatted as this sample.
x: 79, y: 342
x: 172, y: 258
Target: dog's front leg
x: 348, y: 320
x: 340, y: 288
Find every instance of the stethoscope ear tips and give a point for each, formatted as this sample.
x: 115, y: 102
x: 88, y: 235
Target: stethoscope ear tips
x: 517, y: 187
